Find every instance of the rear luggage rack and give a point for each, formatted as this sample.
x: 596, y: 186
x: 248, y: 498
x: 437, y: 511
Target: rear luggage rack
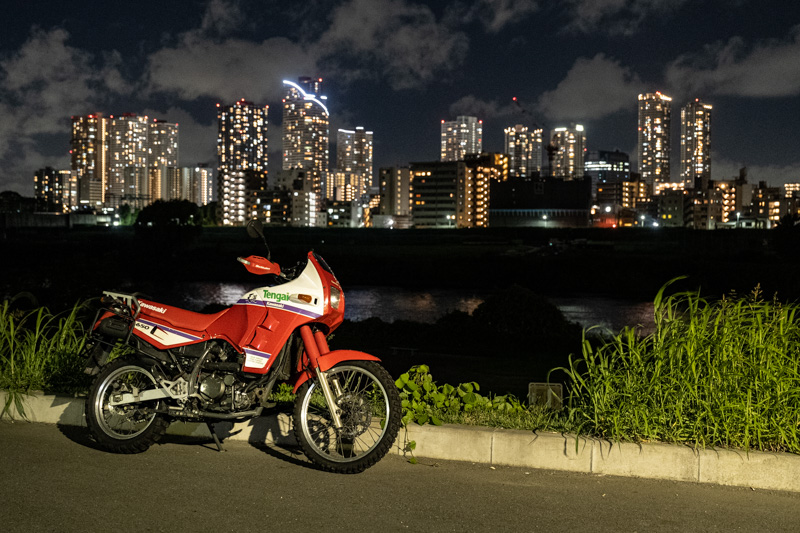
x: 124, y: 306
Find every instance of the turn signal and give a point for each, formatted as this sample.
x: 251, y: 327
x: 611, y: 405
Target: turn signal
x: 307, y: 298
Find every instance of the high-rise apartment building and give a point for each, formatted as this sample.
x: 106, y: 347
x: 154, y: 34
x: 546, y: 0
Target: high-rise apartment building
x: 696, y: 144
x: 653, y: 144
x: 55, y: 190
x: 568, y: 146
x: 162, y: 155
x: 472, y: 208
x: 354, y: 152
x: 243, y: 157
x: 128, y: 158
x: 525, y: 150
x: 122, y: 159
x: 306, y: 130
x: 190, y: 183
x: 88, y: 158
x: 460, y: 137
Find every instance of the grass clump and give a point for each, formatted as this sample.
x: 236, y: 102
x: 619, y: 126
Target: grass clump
x: 713, y: 373
x: 39, y: 350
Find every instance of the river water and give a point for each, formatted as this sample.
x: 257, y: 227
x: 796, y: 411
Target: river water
x: 393, y: 303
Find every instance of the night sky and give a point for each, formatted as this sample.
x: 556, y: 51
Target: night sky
x: 398, y: 67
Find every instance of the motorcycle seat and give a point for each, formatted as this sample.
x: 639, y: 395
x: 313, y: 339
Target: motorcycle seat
x: 179, y: 318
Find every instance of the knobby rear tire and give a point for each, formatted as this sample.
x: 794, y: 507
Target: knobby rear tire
x: 126, y: 429
x: 369, y: 405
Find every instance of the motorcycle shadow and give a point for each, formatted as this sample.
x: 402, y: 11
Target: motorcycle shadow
x: 79, y: 435
x: 270, y: 433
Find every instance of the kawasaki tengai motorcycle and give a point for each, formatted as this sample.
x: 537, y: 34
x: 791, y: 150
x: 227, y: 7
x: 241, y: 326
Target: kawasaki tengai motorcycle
x: 187, y: 366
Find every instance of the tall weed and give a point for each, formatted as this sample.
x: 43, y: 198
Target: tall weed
x: 712, y: 373
x: 39, y: 351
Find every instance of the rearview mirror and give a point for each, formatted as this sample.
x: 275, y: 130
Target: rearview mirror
x: 255, y: 228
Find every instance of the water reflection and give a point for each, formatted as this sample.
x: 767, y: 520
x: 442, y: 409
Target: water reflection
x: 392, y: 303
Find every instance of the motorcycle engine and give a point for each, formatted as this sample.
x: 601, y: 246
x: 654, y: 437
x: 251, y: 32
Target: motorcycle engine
x: 223, y: 392
x: 211, y: 387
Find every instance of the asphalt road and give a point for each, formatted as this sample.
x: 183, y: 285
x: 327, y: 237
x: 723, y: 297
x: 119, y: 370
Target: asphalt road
x: 53, y: 479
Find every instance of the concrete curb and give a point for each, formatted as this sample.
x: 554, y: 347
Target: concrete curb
x: 502, y: 447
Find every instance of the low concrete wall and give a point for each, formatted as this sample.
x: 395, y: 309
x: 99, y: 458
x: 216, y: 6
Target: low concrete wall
x: 526, y: 449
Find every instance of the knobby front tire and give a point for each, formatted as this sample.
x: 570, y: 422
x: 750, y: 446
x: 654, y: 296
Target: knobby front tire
x: 369, y: 407
x: 131, y: 428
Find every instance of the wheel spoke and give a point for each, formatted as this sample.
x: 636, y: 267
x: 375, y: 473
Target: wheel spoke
x: 364, y: 404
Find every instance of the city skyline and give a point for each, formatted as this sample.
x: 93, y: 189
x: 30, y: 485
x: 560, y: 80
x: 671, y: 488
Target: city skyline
x: 578, y: 62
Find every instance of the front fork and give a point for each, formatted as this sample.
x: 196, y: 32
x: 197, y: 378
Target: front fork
x: 315, y: 345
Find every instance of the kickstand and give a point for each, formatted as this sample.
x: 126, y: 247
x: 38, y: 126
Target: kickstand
x: 216, y: 439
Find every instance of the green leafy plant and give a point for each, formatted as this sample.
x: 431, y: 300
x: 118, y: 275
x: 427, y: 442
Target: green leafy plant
x: 423, y: 401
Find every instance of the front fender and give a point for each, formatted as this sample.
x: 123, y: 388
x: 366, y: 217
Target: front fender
x: 331, y: 359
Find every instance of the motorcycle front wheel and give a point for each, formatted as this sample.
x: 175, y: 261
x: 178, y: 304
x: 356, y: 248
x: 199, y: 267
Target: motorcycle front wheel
x: 369, y: 408
x: 129, y: 428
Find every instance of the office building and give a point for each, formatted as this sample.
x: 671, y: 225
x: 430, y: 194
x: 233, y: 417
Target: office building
x: 655, y: 111
x: 434, y: 197
x: 242, y: 160
x: 460, y: 137
x: 605, y: 168
x: 394, y: 208
x: 696, y: 145
x: 525, y: 151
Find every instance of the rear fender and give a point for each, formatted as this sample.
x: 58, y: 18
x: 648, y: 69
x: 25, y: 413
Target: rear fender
x: 331, y: 359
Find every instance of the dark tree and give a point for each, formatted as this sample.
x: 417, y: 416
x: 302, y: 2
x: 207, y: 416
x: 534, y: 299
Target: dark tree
x: 170, y: 213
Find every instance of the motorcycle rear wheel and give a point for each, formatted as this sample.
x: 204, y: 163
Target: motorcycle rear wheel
x: 130, y: 428
x: 369, y: 407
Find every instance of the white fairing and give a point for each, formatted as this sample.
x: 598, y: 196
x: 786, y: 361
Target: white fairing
x: 292, y: 296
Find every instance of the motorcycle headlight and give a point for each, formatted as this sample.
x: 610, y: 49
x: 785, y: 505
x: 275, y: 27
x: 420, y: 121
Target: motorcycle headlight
x: 336, y: 297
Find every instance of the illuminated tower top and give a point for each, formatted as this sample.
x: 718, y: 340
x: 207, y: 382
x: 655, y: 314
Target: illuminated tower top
x: 306, y: 129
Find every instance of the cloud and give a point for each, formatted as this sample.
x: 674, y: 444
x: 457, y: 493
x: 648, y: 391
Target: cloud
x: 616, y: 17
x: 592, y: 89
x: 221, y: 17
x: 766, y: 69
x: 41, y: 85
x: 471, y: 105
x: 394, y: 40
x: 774, y: 175
x: 200, y: 67
x: 494, y: 15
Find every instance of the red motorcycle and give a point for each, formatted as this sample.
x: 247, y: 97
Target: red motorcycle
x: 182, y: 365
